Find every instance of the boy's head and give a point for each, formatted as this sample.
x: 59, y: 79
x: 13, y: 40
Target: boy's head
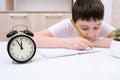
x: 87, y: 10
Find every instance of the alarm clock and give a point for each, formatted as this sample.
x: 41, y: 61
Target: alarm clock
x: 21, y: 48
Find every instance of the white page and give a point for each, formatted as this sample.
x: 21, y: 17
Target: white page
x: 61, y: 52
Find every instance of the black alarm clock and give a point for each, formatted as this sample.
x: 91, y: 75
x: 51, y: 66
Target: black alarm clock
x: 21, y: 48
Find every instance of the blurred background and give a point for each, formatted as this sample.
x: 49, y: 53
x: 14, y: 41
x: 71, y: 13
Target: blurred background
x: 41, y: 14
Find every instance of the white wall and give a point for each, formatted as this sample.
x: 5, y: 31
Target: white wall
x: 116, y: 13
x: 56, y: 5
x: 42, y: 5
x: 2, y: 5
x: 108, y: 10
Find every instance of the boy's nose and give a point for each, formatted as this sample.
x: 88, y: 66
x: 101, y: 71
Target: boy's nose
x: 90, y: 35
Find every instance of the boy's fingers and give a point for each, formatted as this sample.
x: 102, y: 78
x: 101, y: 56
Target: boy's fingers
x: 86, y: 41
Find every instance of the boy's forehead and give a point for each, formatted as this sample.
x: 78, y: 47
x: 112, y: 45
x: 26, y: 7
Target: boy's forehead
x: 89, y: 23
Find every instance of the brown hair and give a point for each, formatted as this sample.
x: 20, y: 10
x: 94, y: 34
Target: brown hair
x: 87, y: 9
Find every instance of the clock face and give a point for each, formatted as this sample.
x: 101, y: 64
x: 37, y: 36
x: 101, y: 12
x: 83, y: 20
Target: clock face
x: 21, y: 48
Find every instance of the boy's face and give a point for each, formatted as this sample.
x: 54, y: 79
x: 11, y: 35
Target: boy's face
x: 90, y: 29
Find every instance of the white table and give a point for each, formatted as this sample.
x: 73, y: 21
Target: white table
x: 95, y: 66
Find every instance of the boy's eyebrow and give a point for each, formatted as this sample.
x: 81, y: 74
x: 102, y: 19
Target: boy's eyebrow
x: 88, y: 26
x: 98, y: 24
x: 84, y: 25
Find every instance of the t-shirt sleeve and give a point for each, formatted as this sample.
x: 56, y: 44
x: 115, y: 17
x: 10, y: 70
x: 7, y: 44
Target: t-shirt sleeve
x: 58, y: 29
x: 106, y: 29
x: 63, y: 29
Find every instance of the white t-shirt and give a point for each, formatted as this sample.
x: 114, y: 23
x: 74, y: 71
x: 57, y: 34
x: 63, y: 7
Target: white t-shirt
x: 65, y: 29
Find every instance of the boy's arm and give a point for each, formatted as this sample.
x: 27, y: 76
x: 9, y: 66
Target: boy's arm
x: 111, y: 35
x: 44, y: 39
x: 104, y: 42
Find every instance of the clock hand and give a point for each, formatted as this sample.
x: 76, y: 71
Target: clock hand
x: 19, y: 44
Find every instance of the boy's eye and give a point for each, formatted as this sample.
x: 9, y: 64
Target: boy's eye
x: 84, y: 28
x: 96, y: 28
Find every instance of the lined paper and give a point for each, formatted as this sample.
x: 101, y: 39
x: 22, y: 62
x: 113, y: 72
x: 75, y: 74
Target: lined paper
x: 62, y: 52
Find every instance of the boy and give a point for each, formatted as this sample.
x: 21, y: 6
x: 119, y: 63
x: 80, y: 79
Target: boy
x: 88, y: 16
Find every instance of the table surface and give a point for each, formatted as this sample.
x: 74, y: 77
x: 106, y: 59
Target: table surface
x: 96, y: 66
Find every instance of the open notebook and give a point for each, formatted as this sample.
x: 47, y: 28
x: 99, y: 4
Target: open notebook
x: 61, y: 52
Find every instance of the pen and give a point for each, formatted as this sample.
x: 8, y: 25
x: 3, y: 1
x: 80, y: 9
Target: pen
x: 79, y: 31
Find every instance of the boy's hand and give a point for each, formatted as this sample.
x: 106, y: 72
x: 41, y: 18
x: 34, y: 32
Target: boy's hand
x: 78, y: 43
